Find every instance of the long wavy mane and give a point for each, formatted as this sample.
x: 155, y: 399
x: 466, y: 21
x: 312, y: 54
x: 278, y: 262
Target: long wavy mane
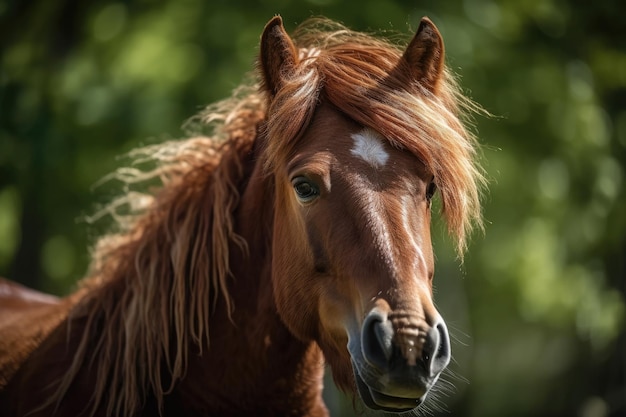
x: 153, y: 283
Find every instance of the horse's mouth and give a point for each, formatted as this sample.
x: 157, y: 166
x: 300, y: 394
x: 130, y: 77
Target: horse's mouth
x: 377, y: 400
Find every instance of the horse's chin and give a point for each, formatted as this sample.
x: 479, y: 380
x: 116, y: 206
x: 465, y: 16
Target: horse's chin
x: 377, y: 400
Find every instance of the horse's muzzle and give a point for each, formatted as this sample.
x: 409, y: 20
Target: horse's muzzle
x: 397, y: 359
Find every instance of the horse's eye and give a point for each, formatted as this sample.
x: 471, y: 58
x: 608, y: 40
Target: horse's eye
x: 430, y: 191
x: 306, y: 191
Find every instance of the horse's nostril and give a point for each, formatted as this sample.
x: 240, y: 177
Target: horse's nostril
x: 377, y: 341
x: 436, y: 352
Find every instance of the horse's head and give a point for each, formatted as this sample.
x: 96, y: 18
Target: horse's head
x: 352, y: 255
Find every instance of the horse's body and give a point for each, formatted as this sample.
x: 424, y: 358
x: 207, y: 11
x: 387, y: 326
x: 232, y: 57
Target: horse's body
x: 302, y: 238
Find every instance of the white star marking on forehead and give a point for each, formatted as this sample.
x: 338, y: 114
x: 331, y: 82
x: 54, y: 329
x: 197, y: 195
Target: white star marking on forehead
x: 368, y: 145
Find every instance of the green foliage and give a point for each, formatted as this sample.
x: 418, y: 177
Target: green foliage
x: 539, y: 304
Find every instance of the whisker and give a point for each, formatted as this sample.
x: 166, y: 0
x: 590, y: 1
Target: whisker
x: 446, y: 388
x: 455, y: 376
x: 458, y: 336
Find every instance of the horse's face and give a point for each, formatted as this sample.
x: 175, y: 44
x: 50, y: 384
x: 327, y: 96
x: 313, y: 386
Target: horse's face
x: 352, y: 256
x: 353, y: 262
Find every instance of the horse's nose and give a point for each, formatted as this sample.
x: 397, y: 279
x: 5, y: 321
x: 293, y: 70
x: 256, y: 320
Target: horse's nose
x: 410, y: 346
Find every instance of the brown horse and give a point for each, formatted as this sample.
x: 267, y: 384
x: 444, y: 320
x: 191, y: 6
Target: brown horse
x: 298, y: 233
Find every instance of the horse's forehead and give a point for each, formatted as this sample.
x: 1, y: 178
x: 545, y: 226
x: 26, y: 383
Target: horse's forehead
x: 353, y: 147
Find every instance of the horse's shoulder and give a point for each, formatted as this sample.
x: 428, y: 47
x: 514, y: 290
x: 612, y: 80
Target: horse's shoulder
x: 26, y: 318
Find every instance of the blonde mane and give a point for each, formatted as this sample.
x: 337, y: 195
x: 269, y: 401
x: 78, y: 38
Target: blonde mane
x: 153, y: 283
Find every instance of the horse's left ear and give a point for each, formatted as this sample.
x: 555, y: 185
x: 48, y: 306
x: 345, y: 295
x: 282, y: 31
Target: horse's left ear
x: 425, y: 55
x: 279, y: 56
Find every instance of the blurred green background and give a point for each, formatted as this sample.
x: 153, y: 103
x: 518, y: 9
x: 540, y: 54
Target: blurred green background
x: 538, y: 309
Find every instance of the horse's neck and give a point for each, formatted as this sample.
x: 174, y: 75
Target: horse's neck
x: 253, y: 362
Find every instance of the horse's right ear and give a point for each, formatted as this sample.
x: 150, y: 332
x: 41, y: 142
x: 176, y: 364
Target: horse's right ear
x: 279, y: 56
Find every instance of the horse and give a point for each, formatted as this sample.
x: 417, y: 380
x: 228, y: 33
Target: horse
x: 293, y: 235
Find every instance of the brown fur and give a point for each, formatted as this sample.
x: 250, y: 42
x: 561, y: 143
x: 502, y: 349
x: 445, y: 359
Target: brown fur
x: 181, y: 312
x: 26, y: 318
